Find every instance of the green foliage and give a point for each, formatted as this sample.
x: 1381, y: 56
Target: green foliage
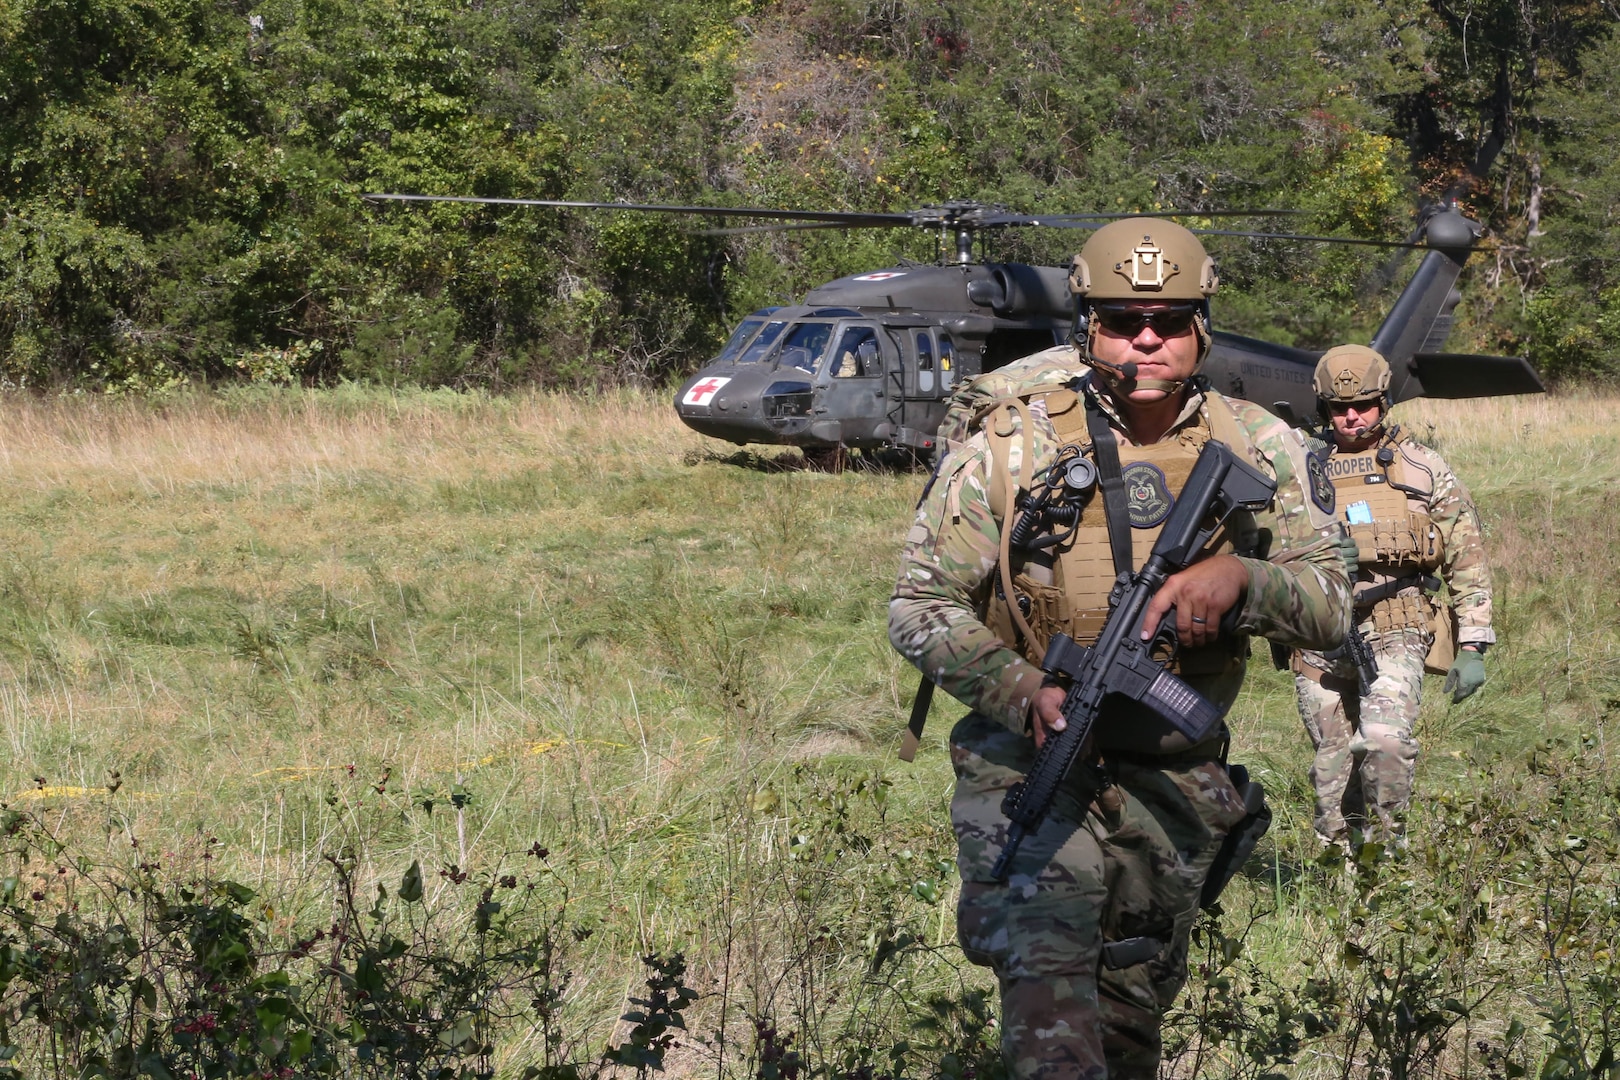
x: 1574, y: 334
x: 66, y: 284
x: 656, y: 1018
x: 182, y: 190
x: 162, y: 975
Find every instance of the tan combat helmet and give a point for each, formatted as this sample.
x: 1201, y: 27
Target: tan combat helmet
x: 1147, y: 260
x: 1348, y: 373
x: 1351, y: 373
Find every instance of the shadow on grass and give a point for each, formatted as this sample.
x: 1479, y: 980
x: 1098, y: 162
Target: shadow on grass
x: 747, y: 459
x: 834, y: 460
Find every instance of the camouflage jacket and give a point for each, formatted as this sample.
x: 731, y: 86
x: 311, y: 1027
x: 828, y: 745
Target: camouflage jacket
x: 1298, y: 596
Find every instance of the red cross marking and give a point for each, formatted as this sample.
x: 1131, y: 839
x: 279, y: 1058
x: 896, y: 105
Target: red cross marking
x: 700, y: 393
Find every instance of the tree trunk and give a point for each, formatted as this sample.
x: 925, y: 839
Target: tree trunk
x: 1533, y: 209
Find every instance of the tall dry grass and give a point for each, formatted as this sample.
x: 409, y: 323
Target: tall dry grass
x: 446, y: 628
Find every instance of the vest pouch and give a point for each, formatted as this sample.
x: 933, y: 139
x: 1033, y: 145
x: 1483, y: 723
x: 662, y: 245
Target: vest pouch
x: 1443, y: 653
x: 1410, y: 610
x: 1051, y: 612
x: 1386, y: 540
x: 1391, y: 542
x: 1048, y: 609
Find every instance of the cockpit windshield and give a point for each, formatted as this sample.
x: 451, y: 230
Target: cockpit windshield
x: 739, y: 338
x: 805, y: 343
x: 762, y: 344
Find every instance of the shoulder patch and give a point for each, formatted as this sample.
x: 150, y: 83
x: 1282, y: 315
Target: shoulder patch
x: 1318, y: 484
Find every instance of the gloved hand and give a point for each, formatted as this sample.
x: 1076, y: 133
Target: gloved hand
x: 1350, y: 552
x: 1467, y: 674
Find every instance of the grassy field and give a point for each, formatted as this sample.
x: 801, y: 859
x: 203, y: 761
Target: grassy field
x: 272, y: 636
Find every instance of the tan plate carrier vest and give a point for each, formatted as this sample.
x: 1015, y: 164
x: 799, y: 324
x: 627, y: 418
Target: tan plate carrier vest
x: 1401, y: 540
x: 1069, y: 593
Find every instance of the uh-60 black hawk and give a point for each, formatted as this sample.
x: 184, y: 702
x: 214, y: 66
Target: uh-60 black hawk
x: 870, y: 360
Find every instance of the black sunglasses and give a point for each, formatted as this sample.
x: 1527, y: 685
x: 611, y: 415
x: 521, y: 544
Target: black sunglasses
x: 1360, y: 406
x: 1130, y: 321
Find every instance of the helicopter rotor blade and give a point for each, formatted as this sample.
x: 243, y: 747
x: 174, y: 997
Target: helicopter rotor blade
x: 1081, y: 221
x: 800, y: 226
x: 818, y: 219
x: 1125, y: 215
x: 830, y: 217
x: 980, y: 222
x: 1057, y: 223
x: 1384, y: 276
x: 1324, y: 239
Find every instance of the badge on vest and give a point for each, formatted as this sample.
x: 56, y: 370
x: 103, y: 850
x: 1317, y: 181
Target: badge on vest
x: 1147, y: 494
x: 1322, y: 491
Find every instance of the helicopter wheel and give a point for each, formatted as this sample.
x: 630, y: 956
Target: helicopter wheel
x: 828, y: 459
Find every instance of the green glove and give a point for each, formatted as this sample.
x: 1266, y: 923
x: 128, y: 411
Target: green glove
x: 1467, y: 674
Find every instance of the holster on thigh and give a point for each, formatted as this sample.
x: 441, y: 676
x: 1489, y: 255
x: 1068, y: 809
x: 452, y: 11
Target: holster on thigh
x: 1175, y: 817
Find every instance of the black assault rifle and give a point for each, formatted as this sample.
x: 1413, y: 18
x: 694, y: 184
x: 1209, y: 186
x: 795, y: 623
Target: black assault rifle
x: 1121, y: 663
x: 1360, y: 654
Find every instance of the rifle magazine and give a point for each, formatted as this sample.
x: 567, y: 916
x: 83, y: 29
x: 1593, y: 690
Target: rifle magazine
x: 1191, y: 712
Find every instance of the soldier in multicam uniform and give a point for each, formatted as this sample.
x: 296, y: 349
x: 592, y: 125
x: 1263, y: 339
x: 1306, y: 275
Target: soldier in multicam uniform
x: 1414, y: 524
x: 1126, y: 864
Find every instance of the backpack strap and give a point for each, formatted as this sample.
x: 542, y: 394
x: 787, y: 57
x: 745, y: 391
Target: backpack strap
x: 1016, y: 411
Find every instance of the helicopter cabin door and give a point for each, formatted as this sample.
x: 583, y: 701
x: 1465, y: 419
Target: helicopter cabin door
x: 936, y: 364
x: 927, y: 382
x: 853, y: 385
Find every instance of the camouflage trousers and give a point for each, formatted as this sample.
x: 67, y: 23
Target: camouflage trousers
x: 1366, y: 754
x: 1130, y: 864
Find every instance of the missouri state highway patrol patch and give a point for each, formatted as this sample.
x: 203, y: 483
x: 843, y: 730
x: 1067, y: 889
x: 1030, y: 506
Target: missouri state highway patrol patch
x: 1147, y: 494
x: 1317, y: 482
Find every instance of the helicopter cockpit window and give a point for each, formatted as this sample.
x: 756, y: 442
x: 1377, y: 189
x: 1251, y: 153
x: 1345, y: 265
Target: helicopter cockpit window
x: 762, y: 344
x: 739, y: 338
x: 947, y: 360
x: 857, y: 354
x: 804, y: 345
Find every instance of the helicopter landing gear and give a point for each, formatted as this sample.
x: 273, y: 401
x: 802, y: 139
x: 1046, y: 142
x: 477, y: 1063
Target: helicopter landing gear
x: 841, y: 459
x: 827, y: 459
x: 904, y: 459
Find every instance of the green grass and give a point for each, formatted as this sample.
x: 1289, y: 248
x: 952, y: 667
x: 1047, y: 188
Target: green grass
x: 666, y: 662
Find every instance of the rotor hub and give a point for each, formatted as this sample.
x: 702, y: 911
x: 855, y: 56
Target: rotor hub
x: 959, y: 223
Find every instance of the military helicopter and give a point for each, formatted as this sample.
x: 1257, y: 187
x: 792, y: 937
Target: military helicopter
x: 870, y: 360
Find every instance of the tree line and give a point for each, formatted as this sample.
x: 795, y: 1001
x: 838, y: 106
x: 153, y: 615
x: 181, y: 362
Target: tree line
x: 181, y: 194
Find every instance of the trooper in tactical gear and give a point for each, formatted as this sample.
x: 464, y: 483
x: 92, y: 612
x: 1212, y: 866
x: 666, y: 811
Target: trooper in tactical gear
x: 1088, y: 934
x: 1415, y: 528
